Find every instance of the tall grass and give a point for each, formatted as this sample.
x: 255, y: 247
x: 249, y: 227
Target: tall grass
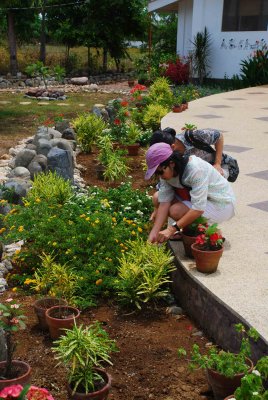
x: 56, y: 55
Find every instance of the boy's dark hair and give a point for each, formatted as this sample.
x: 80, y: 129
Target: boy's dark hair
x: 165, y: 136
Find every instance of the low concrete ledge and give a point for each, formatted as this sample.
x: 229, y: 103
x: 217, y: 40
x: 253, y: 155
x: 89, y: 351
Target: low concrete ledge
x: 214, y: 316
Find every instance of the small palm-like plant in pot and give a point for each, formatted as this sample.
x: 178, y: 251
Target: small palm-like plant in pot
x: 84, y: 351
x: 208, y: 248
x: 224, y: 369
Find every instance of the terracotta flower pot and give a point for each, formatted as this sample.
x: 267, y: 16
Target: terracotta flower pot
x: 177, y: 109
x: 187, y: 243
x: 223, y: 386
x: 59, y: 318
x: 101, y: 394
x: 41, y: 305
x: 133, y: 149
x: 22, y: 374
x: 206, y: 260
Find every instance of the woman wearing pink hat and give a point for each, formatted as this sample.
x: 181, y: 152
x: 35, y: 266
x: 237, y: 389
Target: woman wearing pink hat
x: 211, y: 194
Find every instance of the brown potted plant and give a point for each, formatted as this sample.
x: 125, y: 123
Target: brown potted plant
x: 207, y: 249
x: 60, y: 282
x: 177, y: 108
x: 224, y: 369
x: 84, y: 351
x: 12, y: 372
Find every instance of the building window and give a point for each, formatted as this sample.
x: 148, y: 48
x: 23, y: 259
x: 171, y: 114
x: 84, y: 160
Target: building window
x: 245, y: 15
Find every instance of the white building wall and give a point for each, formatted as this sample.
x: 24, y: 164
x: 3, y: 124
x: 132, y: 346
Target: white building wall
x: 228, y: 49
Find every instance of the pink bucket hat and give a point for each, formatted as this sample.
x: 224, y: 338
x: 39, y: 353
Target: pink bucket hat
x: 157, y: 153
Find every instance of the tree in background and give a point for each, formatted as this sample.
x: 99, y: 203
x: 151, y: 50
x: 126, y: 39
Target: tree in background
x: 18, y: 23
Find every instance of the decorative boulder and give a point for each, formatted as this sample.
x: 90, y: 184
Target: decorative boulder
x: 62, y: 125
x: 20, y: 172
x: 34, y: 169
x: 79, y: 81
x: 69, y: 134
x: 20, y: 188
x: 24, y: 157
x: 44, y: 146
x: 60, y: 161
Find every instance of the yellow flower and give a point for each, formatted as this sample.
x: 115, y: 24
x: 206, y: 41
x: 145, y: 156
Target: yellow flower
x: 139, y: 229
x: 99, y: 282
x: 116, y: 240
x: 20, y: 228
x: 12, y: 211
x: 97, y: 221
x: 2, y: 230
x: 54, y: 244
x: 114, y: 219
x: 68, y: 251
x: 17, y: 251
x: 87, y: 219
x: 97, y: 271
x: 121, y: 244
x: 82, y: 215
x: 94, y: 252
x: 14, y: 289
x: 133, y: 233
x: 3, y: 201
x: 37, y: 200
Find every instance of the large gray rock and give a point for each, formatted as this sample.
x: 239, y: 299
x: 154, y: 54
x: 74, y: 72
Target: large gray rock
x: 83, y: 80
x: 62, y: 144
x: 43, y: 146
x: 34, y: 169
x: 61, y: 162
x: 19, y: 186
x: 41, y: 160
x: 62, y: 125
x: 20, y: 172
x: 24, y: 157
x: 69, y: 134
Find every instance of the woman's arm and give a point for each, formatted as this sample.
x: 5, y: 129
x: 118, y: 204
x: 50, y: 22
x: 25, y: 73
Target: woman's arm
x: 160, y: 219
x: 182, y: 222
x: 218, y: 154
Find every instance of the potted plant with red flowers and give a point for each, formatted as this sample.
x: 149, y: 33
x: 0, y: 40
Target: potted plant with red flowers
x: 12, y: 320
x: 207, y: 249
x: 26, y: 393
x: 190, y: 233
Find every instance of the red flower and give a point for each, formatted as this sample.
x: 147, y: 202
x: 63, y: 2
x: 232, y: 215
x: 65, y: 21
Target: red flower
x: 214, y: 237
x: 124, y: 103
x: 200, y: 239
x: 117, y: 121
x: 11, y: 392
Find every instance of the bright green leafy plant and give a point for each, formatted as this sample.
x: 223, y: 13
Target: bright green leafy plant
x: 50, y: 187
x: 143, y: 274
x: 224, y: 362
x: 88, y: 128
x: 81, y: 350
x: 160, y: 92
x: 11, y: 321
x: 56, y: 280
x: 252, y: 385
x: 153, y: 115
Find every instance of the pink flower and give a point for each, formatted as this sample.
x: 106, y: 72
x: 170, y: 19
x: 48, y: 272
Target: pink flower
x: 11, y: 391
x: 200, y: 239
x: 9, y: 300
x: 36, y: 393
x: 14, y: 321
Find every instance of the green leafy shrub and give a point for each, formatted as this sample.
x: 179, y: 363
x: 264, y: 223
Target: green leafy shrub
x: 49, y: 187
x: 254, y: 71
x: 224, y: 362
x: 39, y: 69
x: 56, y: 280
x: 161, y: 93
x: 101, y: 220
x: 88, y: 127
x: 143, y: 274
x: 153, y: 116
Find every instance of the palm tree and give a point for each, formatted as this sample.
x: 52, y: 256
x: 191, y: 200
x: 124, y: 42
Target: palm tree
x: 201, y: 53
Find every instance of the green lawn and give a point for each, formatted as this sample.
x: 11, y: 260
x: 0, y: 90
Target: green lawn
x: 18, y: 121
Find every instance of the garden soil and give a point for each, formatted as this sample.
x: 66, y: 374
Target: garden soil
x: 146, y: 365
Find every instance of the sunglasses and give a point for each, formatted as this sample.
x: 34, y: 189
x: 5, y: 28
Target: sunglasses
x: 160, y: 172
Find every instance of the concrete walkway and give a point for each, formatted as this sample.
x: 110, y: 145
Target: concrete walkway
x: 241, y: 281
